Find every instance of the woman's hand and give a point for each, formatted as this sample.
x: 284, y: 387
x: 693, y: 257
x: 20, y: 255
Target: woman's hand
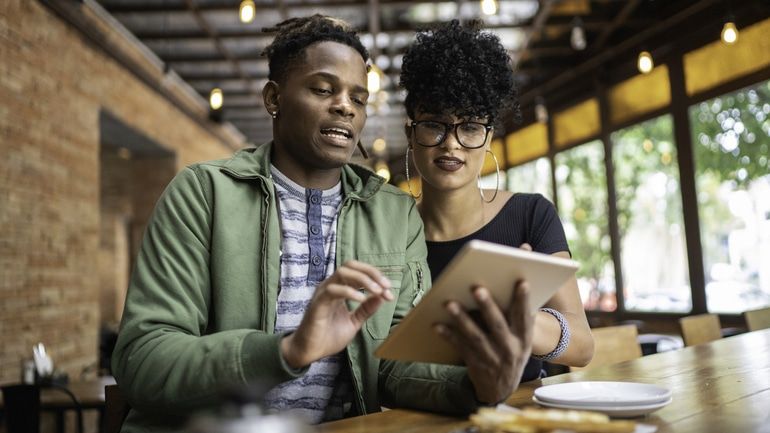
x: 328, y: 325
x: 495, y: 358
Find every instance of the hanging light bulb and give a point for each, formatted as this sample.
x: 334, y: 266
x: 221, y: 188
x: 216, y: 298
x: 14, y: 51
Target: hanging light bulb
x: 541, y: 112
x: 644, y: 62
x: 489, y: 7
x: 216, y: 99
x: 578, y: 36
x: 247, y: 11
x: 124, y: 153
x: 373, y: 80
x: 729, y: 33
x: 382, y: 170
x: 379, y: 145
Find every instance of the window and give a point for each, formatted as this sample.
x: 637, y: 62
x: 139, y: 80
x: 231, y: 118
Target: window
x: 581, y: 184
x: 731, y: 147
x: 490, y: 181
x: 652, y: 242
x: 532, y: 177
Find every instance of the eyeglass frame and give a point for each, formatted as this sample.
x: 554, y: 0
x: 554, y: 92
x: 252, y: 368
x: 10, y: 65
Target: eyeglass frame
x: 449, y: 127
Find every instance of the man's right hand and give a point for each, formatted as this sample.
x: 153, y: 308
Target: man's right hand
x: 328, y: 325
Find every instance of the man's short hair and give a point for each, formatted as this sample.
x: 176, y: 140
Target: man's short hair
x: 296, y: 34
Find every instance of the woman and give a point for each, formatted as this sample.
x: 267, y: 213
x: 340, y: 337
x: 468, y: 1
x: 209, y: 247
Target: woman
x: 458, y: 80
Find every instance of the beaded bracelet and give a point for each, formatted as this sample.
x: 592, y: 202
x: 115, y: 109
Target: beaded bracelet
x: 561, y: 346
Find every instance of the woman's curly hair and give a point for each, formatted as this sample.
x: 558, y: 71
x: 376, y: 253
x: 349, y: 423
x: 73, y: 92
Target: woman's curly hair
x: 296, y: 34
x: 459, y: 70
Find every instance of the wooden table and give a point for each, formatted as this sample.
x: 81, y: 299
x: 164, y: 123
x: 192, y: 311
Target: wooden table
x: 89, y: 393
x: 722, y: 386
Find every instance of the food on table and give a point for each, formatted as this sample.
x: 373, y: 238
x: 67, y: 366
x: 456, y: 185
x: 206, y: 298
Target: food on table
x: 535, y: 420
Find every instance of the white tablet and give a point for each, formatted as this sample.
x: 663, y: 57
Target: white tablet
x: 496, y: 267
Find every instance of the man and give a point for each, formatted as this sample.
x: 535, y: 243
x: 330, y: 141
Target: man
x: 283, y: 265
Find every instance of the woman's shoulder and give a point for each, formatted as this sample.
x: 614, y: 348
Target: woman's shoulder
x: 524, y: 201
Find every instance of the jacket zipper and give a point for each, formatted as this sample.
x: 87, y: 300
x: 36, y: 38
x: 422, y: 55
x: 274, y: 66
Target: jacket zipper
x: 358, y: 390
x: 419, y: 278
x: 263, y: 265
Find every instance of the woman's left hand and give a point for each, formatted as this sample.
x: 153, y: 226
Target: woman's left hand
x: 495, y: 357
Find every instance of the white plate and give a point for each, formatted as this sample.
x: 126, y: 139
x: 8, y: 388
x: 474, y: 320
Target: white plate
x: 603, y: 394
x: 613, y: 411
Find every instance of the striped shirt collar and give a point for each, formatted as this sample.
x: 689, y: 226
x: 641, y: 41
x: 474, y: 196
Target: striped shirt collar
x: 298, y: 190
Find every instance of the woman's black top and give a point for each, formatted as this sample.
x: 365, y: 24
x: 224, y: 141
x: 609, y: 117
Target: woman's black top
x: 525, y: 218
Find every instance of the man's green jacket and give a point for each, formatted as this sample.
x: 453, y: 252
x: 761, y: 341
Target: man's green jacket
x: 201, y: 306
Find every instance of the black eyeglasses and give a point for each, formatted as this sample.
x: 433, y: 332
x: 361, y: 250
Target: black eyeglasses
x: 430, y: 133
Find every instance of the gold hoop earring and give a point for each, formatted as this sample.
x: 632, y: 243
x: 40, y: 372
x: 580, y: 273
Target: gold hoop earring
x: 408, y: 180
x: 497, y: 180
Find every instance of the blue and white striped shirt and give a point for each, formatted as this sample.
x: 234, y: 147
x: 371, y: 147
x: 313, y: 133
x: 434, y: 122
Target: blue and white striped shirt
x: 308, y: 241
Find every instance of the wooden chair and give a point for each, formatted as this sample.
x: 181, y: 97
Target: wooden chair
x: 613, y: 344
x: 699, y: 329
x: 115, y: 409
x: 757, y: 319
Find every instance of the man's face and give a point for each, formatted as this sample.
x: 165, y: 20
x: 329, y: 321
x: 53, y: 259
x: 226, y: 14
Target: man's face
x: 322, y: 107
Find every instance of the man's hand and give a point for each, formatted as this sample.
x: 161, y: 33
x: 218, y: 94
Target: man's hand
x: 328, y: 326
x: 495, y: 358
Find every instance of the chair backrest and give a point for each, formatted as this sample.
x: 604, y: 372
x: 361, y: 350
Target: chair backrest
x: 757, y: 319
x: 22, y: 408
x: 115, y: 409
x: 613, y: 344
x: 699, y: 329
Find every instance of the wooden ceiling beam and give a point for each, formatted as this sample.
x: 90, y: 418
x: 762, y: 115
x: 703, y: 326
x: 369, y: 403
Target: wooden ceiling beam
x: 617, y: 22
x: 609, y: 53
x: 212, y: 33
x: 154, y: 6
x: 538, y: 23
x: 555, y: 23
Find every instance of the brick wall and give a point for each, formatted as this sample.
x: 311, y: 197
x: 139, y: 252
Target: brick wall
x: 53, y: 83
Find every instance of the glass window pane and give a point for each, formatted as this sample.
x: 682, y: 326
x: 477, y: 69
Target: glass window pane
x: 731, y: 146
x: 653, y: 250
x: 581, y: 183
x: 532, y: 177
x: 490, y: 181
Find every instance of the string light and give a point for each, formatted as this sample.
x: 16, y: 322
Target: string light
x: 489, y: 7
x: 379, y: 145
x: 373, y: 79
x: 124, y: 153
x: 729, y: 33
x: 578, y: 36
x: 644, y: 62
x: 541, y: 112
x: 247, y: 11
x: 216, y: 99
x: 382, y: 170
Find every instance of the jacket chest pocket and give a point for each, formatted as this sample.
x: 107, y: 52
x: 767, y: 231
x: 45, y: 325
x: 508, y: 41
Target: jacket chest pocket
x: 378, y: 325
